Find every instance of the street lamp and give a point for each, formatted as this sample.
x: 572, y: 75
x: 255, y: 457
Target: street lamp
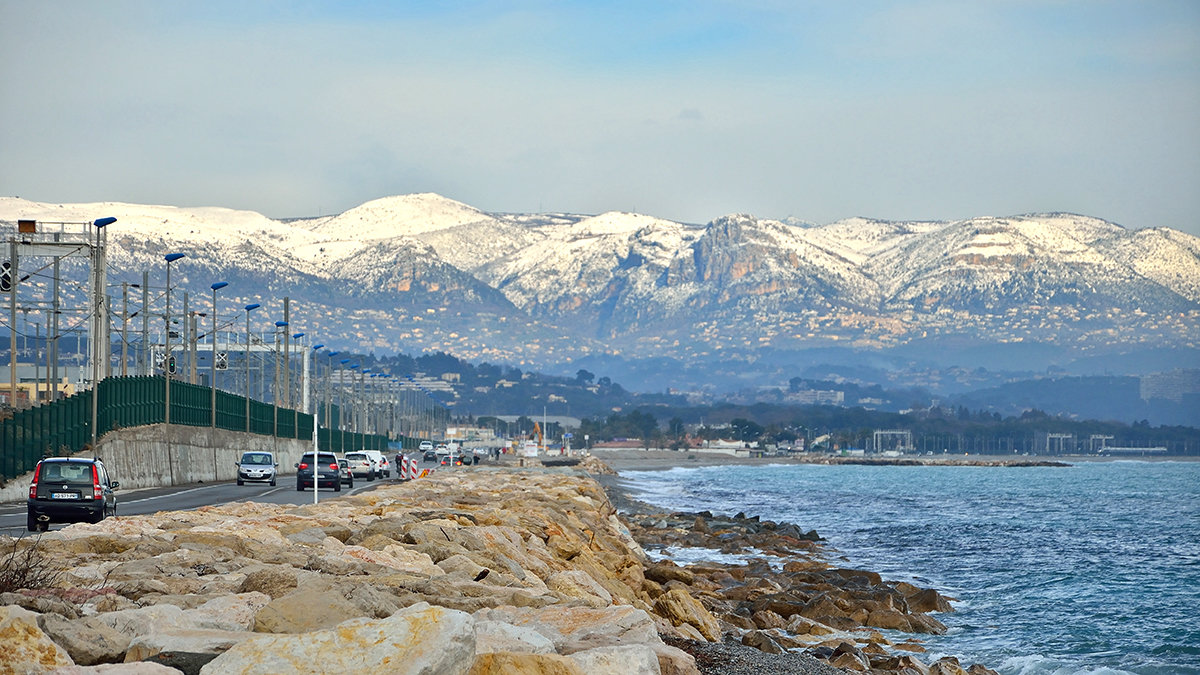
x: 170, y: 258
x: 304, y: 390
x: 279, y: 325
x: 213, y: 372
x: 99, y: 347
x: 249, y: 308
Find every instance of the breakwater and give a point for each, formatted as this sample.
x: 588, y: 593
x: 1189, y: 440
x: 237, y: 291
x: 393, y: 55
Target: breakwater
x: 480, y: 571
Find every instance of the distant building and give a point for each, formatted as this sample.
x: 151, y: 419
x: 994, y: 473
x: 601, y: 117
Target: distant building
x: 817, y: 396
x: 1172, y: 385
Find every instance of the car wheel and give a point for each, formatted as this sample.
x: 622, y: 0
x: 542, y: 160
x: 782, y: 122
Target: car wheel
x: 272, y: 482
x: 31, y: 523
x: 240, y: 482
x: 371, y: 475
x: 337, y: 485
x: 351, y: 484
x: 299, y: 486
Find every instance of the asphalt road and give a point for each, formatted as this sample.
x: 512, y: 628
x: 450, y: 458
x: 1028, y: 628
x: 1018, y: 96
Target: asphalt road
x: 187, y: 497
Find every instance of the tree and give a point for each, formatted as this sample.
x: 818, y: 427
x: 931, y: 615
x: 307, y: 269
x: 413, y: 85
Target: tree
x: 583, y: 377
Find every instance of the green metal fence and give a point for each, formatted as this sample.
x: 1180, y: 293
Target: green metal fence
x: 64, y: 426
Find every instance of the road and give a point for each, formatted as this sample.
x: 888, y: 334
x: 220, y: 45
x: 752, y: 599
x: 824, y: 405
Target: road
x: 187, y: 497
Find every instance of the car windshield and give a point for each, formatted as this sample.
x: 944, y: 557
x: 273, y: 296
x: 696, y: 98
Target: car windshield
x: 256, y: 458
x: 356, y: 456
x: 68, y: 472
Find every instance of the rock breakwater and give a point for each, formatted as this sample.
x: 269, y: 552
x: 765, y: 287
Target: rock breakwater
x: 473, y: 571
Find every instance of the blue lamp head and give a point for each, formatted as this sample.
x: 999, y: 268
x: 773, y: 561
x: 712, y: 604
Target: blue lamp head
x: 297, y: 336
x: 344, y: 361
x: 172, y: 257
x: 280, y: 324
x: 252, y: 307
x: 219, y: 285
x: 316, y: 347
x: 102, y: 222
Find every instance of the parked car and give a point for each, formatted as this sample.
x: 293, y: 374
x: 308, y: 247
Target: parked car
x: 257, y: 467
x: 70, y: 490
x: 326, y: 468
x: 382, y: 466
x: 361, y: 465
x: 347, y: 475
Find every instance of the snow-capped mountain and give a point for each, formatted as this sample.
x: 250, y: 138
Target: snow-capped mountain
x: 421, y: 272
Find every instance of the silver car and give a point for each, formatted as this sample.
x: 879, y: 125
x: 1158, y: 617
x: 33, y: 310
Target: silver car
x: 257, y: 467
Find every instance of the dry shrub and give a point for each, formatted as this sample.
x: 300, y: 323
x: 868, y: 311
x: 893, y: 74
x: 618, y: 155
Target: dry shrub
x: 26, y: 567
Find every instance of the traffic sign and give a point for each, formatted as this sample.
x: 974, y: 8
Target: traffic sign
x: 5, y: 277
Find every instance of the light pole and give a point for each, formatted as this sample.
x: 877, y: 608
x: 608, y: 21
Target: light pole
x: 280, y: 325
x: 249, y: 308
x: 98, y: 352
x: 213, y: 372
x: 303, y: 389
x: 170, y: 258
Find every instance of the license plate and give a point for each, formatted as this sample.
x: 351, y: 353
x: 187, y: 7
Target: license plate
x: 64, y: 495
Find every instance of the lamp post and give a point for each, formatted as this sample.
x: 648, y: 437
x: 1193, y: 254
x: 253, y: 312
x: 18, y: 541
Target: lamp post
x: 248, y: 308
x: 213, y: 372
x: 170, y: 258
x: 302, y: 384
x: 280, y: 325
x: 99, y: 346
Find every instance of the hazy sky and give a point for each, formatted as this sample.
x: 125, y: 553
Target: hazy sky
x: 684, y: 110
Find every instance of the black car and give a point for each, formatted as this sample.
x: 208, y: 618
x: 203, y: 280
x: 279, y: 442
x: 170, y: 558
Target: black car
x: 69, y: 490
x: 328, y: 472
x: 429, y: 456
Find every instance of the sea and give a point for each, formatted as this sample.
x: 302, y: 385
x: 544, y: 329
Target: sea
x: 1092, y: 568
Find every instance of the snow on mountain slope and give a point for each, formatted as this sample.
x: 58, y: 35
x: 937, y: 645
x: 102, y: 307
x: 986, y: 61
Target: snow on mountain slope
x: 405, y: 215
x: 576, y: 263
x: 1165, y: 256
x: 984, y: 263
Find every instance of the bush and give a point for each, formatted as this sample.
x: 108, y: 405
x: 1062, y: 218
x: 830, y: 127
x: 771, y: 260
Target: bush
x: 26, y: 567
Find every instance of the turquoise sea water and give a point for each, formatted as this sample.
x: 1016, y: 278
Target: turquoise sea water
x: 1093, y: 568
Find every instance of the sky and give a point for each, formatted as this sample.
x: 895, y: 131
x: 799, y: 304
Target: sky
x: 688, y: 110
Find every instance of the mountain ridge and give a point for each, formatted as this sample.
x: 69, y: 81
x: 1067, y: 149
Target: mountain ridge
x: 417, y: 273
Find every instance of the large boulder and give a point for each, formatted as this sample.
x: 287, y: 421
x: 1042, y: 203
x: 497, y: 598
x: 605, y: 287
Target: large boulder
x: 146, y: 620
x: 518, y: 663
x: 190, y: 641
x: 679, y: 607
x: 581, y: 586
x: 618, y: 660
x: 417, y: 639
x: 26, y: 648
x: 230, y: 612
x: 304, y: 610
x: 89, y: 640
x: 573, y: 629
x: 497, y: 636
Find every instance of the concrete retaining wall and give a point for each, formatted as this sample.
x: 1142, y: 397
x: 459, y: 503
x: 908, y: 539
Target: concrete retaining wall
x: 151, y: 456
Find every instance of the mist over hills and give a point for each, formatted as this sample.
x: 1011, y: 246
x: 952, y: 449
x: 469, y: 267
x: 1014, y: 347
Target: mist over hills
x: 738, y: 302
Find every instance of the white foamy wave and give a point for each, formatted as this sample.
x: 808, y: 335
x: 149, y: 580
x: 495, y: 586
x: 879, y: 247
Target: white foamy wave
x: 687, y: 555
x: 1040, y: 665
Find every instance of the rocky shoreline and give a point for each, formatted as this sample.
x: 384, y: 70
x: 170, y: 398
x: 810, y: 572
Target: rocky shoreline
x: 525, y: 570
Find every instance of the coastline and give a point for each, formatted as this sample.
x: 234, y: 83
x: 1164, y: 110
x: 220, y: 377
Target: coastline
x: 512, y: 569
x: 640, y: 459
x: 778, y: 588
